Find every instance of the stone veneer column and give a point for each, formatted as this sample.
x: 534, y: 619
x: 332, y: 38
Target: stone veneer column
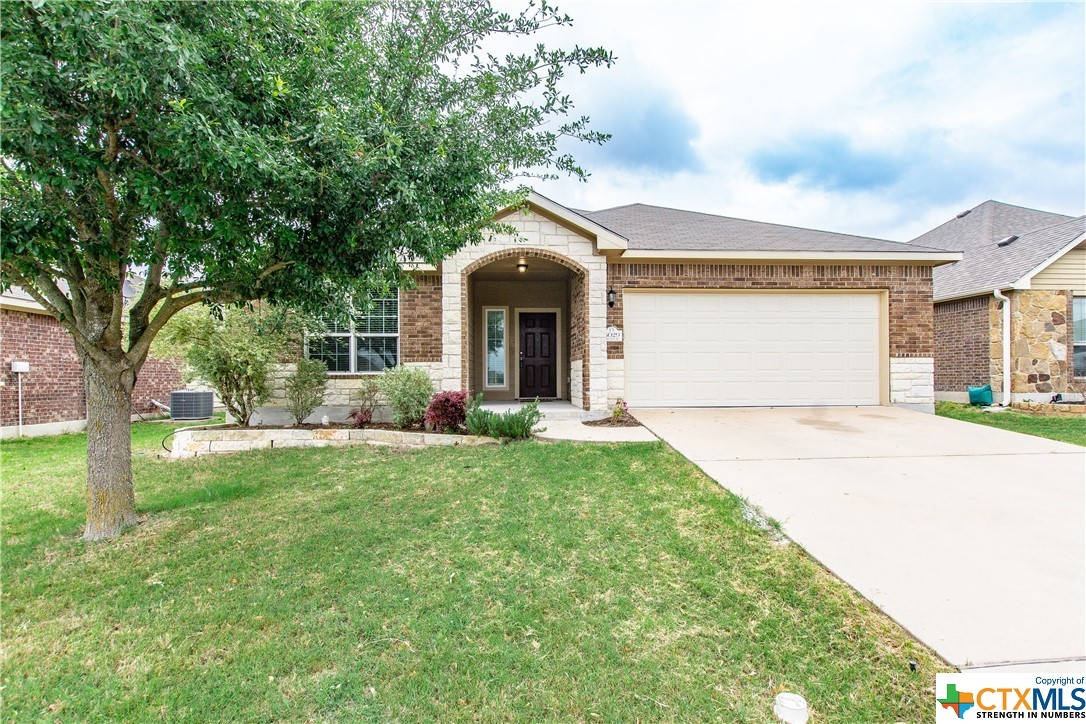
x: 537, y: 236
x: 912, y: 383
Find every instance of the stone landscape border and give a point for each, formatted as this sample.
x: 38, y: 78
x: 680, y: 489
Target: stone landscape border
x: 191, y: 442
x: 1051, y: 409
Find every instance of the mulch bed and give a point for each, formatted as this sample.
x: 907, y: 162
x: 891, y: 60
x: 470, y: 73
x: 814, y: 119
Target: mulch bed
x: 624, y: 420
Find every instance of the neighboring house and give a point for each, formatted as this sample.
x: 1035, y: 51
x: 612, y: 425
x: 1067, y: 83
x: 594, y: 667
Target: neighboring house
x: 660, y: 307
x: 1037, y: 260
x: 52, y: 397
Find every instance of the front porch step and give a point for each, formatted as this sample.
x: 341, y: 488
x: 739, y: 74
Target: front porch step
x: 553, y: 410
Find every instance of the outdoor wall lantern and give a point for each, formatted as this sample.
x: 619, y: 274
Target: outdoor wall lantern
x: 611, y: 297
x: 522, y: 265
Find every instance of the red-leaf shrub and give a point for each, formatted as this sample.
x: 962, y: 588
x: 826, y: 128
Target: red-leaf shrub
x: 361, y: 416
x: 447, y: 411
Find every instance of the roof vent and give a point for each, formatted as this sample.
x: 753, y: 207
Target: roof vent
x: 1008, y: 241
x: 964, y: 213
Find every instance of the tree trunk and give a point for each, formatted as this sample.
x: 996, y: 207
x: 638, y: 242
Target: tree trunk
x: 111, y: 500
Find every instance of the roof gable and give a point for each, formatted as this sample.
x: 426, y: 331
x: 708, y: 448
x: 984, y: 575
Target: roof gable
x: 604, y: 238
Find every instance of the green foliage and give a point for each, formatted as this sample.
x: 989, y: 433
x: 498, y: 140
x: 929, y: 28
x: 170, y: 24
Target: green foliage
x: 278, y: 150
x: 621, y: 408
x: 367, y: 397
x: 290, y: 151
x: 514, y: 424
x: 233, y: 352
x: 305, y: 388
x: 408, y: 391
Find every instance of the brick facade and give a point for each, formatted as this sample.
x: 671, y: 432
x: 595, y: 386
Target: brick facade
x: 909, y: 289
x: 53, y: 389
x: 420, y: 320
x: 437, y: 317
x: 962, y: 344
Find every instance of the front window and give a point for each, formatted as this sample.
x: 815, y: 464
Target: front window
x: 1078, y: 334
x: 495, y: 348
x: 370, y: 343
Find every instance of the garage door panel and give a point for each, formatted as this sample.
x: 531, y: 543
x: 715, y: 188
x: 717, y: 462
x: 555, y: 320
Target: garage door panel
x: 734, y: 349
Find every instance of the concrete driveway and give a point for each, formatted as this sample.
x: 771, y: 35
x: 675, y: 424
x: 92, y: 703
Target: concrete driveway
x: 972, y: 538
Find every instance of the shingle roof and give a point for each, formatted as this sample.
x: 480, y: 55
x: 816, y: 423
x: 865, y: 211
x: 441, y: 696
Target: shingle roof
x: 988, y: 222
x: 660, y: 228
x: 986, y: 265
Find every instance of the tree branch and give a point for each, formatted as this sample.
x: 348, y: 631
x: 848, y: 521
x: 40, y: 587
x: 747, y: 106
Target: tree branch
x: 139, y: 348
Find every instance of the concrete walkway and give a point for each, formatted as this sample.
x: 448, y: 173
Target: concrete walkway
x: 972, y: 538
x: 578, y: 431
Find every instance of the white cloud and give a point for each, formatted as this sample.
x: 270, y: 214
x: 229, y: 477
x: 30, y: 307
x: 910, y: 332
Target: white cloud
x: 976, y: 101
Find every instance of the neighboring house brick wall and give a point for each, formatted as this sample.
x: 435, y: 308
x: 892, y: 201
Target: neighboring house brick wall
x: 962, y: 344
x: 420, y: 321
x: 156, y: 380
x: 53, y: 389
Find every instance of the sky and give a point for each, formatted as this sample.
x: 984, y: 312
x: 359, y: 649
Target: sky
x: 878, y: 119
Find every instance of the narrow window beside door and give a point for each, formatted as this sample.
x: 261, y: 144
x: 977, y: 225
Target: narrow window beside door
x: 495, y: 348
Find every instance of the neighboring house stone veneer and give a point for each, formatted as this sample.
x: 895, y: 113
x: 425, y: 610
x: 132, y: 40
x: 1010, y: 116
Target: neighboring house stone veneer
x: 969, y: 344
x: 1038, y: 260
x: 1040, y: 340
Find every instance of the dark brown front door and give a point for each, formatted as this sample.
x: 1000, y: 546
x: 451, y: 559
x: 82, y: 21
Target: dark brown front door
x: 538, y: 356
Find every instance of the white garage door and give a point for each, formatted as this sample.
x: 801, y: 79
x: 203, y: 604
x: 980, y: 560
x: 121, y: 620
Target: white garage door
x: 737, y: 350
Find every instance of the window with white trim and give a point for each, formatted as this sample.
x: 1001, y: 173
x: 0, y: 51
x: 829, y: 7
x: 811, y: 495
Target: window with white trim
x: 370, y: 343
x: 1078, y: 335
x: 495, y: 348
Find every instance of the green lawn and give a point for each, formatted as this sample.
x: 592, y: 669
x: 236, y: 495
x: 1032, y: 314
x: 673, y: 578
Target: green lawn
x: 529, y: 581
x: 1064, y: 429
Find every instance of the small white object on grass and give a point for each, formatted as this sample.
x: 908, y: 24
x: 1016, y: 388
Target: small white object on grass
x: 790, y: 708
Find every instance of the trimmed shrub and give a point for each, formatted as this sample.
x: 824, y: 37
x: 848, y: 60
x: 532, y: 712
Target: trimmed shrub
x: 447, y: 411
x: 305, y: 389
x: 477, y: 420
x: 368, y: 395
x: 408, y: 391
x: 517, y: 425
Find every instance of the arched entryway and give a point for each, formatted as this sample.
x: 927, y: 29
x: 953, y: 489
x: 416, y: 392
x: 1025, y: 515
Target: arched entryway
x: 525, y: 326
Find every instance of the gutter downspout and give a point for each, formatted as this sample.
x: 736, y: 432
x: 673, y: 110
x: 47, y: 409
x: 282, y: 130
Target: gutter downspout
x: 1006, y: 346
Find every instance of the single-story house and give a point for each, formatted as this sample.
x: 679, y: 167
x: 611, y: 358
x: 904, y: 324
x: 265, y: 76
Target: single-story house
x: 53, y: 400
x: 1012, y: 312
x: 660, y: 307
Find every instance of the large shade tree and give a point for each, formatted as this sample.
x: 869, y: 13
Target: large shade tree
x: 227, y: 152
